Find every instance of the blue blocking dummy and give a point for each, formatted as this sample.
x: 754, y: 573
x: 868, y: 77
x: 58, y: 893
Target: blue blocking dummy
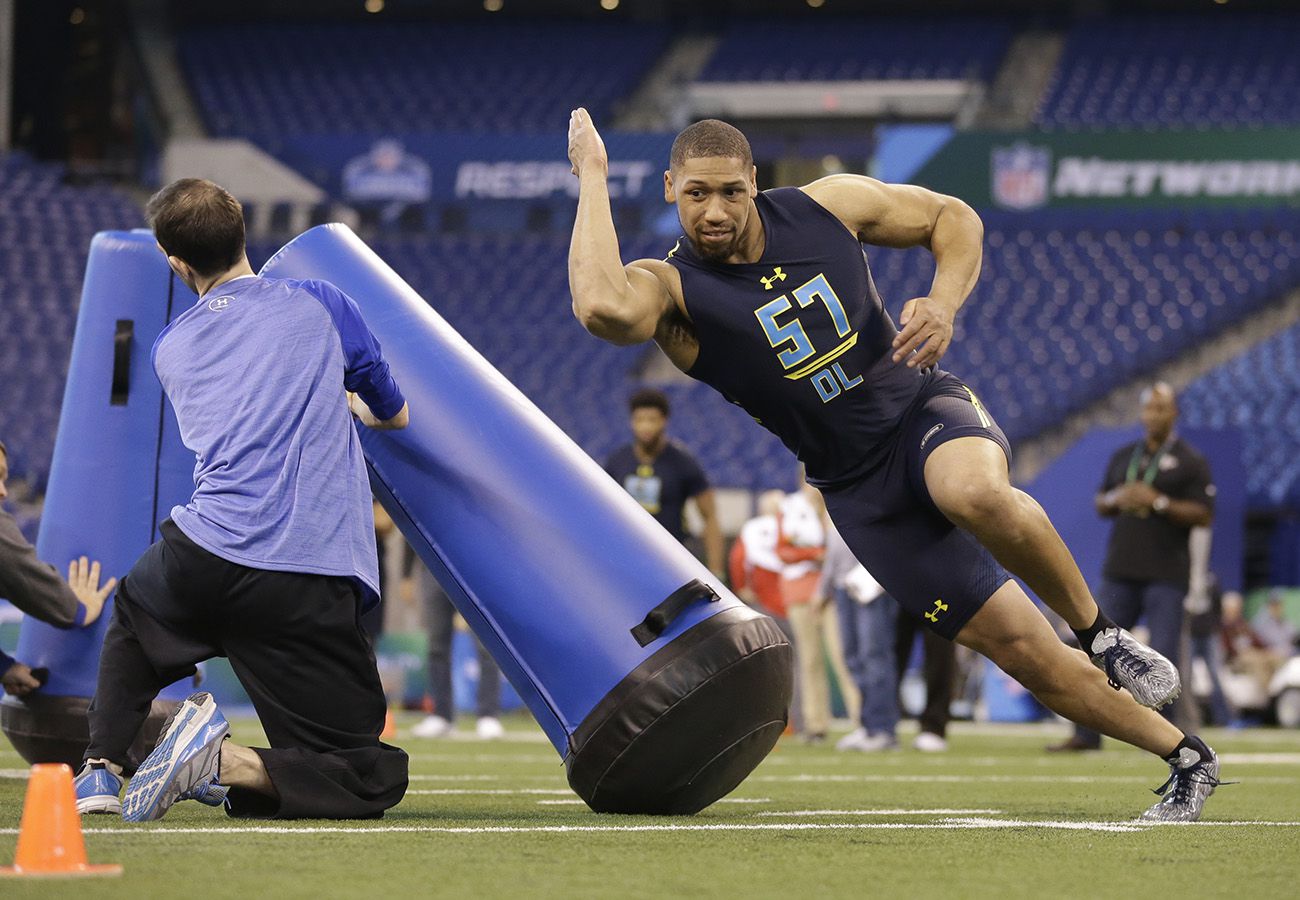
x: 659, y: 688
x: 118, y: 467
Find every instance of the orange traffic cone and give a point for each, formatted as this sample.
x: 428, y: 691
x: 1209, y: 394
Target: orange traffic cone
x: 49, y: 838
x: 390, y: 726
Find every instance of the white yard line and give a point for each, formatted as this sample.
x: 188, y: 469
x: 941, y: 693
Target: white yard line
x: 1260, y: 759
x: 507, y: 792
x: 881, y: 812
x: 952, y: 825
x: 1002, y: 779
x: 723, y: 800
x: 527, y: 758
x: 947, y: 824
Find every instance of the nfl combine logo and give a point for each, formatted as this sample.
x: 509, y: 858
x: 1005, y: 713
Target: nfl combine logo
x: 1020, y: 174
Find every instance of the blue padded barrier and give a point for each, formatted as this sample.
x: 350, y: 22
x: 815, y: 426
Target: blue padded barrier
x: 553, y: 565
x: 118, y: 468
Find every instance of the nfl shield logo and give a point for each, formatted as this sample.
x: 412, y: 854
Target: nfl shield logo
x: 1020, y: 174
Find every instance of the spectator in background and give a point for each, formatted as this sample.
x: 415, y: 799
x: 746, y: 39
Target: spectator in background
x: 1157, y: 490
x: 755, y: 570
x: 1273, y: 628
x: 754, y: 566
x: 801, y: 545
x: 866, y: 620
x: 1204, y: 624
x: 440, y: 619
x: 939, y: 668
x: 373, y: 619
x: 1247, y: 653
x: 662, y: 476
x: 36, y: 589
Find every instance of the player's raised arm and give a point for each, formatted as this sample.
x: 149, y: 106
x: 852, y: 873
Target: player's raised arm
x: 619, y: 304
x: 902, y: 215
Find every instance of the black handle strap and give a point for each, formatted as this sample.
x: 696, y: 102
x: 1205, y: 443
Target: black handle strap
x: 122, y: 338
x: 663, y: 615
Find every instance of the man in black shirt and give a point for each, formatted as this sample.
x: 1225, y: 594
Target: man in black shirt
x: 1157, y: 490
x: 661, y: 475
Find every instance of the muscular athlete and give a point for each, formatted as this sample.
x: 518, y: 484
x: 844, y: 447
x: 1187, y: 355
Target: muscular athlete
x: 768, y: 298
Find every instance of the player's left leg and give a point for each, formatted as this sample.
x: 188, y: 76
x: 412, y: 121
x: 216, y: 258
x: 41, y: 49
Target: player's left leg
x: 1010, y: 631
x: 968, y: 480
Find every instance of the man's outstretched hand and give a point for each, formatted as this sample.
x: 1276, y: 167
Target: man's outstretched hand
x: 585, y: 146
x: 83, y: 578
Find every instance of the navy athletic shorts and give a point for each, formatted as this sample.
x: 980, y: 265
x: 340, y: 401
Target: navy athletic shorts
x: 936, y: 571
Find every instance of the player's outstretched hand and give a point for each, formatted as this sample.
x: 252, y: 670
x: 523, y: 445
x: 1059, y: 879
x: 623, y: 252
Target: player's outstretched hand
x: 585, y: 146
x: 927, y: 328
x: 83, y: 578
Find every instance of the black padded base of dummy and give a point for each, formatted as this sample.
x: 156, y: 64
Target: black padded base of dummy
x: 689, y: 724
x: 45, y: 729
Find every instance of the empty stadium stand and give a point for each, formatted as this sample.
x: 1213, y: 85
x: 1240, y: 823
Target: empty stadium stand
x: 1259, y: 393
x: 45, y: 232
x: 264, y: 81
x: 1161, y: 72
x: 833, y: 49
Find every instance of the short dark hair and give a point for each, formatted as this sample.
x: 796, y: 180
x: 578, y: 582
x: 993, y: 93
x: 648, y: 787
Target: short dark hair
x: 710, y: 137
x: 649, y: 398
x: 198, y: 222
x: 4, y: 450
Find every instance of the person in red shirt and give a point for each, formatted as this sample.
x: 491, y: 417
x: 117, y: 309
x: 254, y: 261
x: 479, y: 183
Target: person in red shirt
x: 755, y: 570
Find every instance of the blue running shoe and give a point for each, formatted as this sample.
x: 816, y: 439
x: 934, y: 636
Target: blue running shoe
x: 183, y: 764
x: 98, y: 789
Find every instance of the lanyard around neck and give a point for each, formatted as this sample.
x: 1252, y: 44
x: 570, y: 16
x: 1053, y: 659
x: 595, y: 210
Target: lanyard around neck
x: 1153, y: 467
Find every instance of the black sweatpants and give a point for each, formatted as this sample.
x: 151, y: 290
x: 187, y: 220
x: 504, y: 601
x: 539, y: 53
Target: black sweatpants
x: 296, y: 644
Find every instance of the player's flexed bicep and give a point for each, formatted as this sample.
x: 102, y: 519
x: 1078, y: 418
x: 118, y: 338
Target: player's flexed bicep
x: 617, y: 303
x: 902, y: 215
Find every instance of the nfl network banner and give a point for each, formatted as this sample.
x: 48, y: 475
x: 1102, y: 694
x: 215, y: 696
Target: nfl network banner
x: 418, y: 168
x: 1031, y: 170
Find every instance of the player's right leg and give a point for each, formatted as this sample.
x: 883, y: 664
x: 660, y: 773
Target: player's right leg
x: 968, y: 480
x: 1010, y: 631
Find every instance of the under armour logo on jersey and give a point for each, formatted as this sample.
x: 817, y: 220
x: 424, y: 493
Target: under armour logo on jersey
x: 217, y: 304
x: 769, y: 280
x: 939, y: 607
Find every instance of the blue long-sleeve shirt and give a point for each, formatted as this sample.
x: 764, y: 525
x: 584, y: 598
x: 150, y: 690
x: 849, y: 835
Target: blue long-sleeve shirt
x: 257, y: 371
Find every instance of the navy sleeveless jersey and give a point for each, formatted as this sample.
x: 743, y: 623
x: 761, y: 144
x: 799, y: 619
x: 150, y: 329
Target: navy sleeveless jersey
x: 801, y: 340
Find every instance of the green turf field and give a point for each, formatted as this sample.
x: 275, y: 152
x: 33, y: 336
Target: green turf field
x: 994, y: 817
